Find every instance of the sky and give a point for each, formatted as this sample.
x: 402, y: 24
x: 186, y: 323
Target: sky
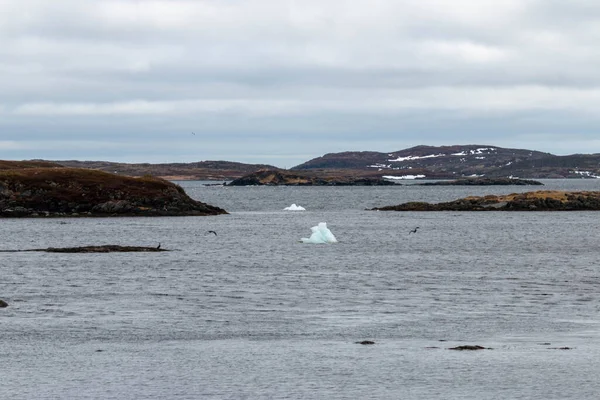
x: 283, y: 81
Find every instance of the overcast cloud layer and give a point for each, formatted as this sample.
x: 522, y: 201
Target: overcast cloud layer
x: 281, y: 82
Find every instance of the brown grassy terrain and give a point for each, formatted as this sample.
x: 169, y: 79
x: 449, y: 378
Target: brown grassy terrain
x: 27, y: 164
x: 75, y: 191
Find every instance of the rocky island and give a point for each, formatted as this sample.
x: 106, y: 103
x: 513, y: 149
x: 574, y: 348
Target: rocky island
x: 543, y: 200
x: 484, y: 182
x: 47, y: 191
x: 284, y: 178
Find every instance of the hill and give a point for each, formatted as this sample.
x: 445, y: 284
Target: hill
x: 450, y: 162
x: 430, y: 162
x: 202, y: 170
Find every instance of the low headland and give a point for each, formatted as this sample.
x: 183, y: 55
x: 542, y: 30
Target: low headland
x: 543, y: 200
x: 272, y: 177
x: 49, y: 191
x: 479, y: 181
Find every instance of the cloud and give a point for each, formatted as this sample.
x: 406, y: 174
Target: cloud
x: 405, y: 72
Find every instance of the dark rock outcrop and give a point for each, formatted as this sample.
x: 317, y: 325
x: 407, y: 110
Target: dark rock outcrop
x: 3, y: 304
x: 75, y: 192
x: 468, y: 347
x: 283, y: 178
x: 109, y: 248
x: 483, y: 182
x: 530, y: 201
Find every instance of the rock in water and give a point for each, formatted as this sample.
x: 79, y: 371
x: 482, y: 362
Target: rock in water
x: 467, y: 347
x: 3, y: 304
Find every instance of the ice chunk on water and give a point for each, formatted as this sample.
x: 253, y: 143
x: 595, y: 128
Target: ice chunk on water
x: 320, y: 234
x: 294, y: 207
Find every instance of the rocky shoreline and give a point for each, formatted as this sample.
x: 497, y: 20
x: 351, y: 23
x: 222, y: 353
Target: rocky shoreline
x: 484, y: 182
x: 530, y: 201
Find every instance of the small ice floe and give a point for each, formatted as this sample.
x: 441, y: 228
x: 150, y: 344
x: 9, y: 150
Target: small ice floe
x: 320, y: 234
x: 294, y: 207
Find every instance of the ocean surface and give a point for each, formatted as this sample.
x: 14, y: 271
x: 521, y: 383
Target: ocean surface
x: 251, y: 313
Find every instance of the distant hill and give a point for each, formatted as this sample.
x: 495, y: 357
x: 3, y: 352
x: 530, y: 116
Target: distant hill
x: 202, y: 170
x: 430, y: 162
x: 27, y: 164
x: 445, y: 162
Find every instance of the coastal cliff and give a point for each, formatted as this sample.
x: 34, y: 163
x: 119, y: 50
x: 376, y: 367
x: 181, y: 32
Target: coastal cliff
x: 75, y: 192
x: 543, y: 200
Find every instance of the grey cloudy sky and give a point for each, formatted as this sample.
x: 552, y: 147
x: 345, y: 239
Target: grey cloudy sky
x: 284, y: 81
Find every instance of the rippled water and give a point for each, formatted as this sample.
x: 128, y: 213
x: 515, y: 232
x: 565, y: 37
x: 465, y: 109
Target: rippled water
x: 252, y: 313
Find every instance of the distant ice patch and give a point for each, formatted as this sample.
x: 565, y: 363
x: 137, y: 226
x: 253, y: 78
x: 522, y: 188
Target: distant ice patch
x: 294, y: 207
x: 403, y: 177
x: 380, y: 166
x: 482, y: 150
x: 589, y: 174
x: 410, y: 158
x: 320, y: 234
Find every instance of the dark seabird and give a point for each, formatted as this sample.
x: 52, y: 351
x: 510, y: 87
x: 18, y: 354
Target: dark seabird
x: 212, y: 232
x: 414, y: 230
x: 158, y: 247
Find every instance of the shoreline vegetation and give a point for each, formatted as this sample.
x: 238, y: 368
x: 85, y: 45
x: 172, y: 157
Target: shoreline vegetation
x: 46, y: 191
x: 543, y: 200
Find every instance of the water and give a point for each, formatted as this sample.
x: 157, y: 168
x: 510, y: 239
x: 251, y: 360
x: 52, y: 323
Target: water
x: 252, y: 313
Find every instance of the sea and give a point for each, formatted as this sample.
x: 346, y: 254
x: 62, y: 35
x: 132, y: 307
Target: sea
x: 253, y: 313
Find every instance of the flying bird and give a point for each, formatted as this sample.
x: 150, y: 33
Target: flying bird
x: 193, y: 134
x: 414, y: 230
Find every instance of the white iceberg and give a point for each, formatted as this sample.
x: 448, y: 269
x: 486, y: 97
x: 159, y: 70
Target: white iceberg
x: 320, y: 234
x: 294, y: 207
